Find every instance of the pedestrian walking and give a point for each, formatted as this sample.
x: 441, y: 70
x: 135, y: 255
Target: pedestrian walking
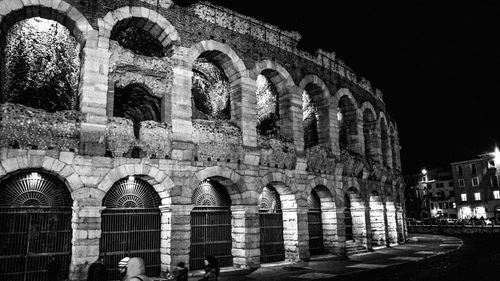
x: 212, y: 269
x: 122, y: 268
x: 136, y: 270
x: 97, y: 270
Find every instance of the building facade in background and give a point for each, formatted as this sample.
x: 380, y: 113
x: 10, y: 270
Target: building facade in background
x: 476, y: 187
x: 191, y: 130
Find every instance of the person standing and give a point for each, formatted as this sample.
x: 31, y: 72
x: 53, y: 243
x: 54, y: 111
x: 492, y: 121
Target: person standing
x: 182, y: 272
x: 122, y: 268
x: 136, y: 270
x: 97, y: 270
x: 212, y: 269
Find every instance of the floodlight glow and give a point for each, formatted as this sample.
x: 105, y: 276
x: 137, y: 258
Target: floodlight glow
x: 424, y: 172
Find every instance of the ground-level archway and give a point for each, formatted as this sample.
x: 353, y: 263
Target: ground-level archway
x: 315, y: 225
x: 210, y: 224
x: 272, y: 247
x: 35, y: 233
x: 131, y: 225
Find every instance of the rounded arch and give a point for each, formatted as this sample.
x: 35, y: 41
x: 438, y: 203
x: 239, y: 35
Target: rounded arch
x: 348, y: 118
x: 144, y: 18
x: 386, y: 141
x: 280, y: 75
x: 368, y: 106
x: 370, y: 132
x: 131, y: 192
x: 344, y: 92
x: 228, y: 178
x: 318, y: 181
x: 57, y: 10
x: 160, y: 181
x: 284, y: 185
x: 315, y: 111
x: 50, y: 165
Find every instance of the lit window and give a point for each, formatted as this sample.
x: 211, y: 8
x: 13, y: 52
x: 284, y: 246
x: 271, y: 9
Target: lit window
x: 454, y: 205
x: 477, y: 196
x: 464, y: 197
x: 461, y: 182
x: 475, y: 181
x: 496, y: 194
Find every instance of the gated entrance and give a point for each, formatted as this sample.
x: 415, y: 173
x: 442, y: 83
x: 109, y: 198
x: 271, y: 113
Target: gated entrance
x: 272, y: 246
x: 348, y: 219
x: 35, y: 228
x: 210, y: 225
x: 131, y: 226
x: 315, y: 225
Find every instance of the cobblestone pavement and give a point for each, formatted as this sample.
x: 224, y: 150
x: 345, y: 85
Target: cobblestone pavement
x: 411, y: 261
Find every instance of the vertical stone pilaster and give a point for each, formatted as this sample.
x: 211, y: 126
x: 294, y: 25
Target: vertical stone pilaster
x: 93, y: 97
x: 303, y: 233
x: 400, y: 223
x: 330, y: 227
x: 340, y: 244
x: 291, y: 234
x: 86, y: 225
x: 175, y: 235
x: 248, y: 114
x: 391, y: 223
x: 295, y: 118
x: 359, y: 223
x: 246, y: 236
x: 333, y: 129
x: 377, y: 221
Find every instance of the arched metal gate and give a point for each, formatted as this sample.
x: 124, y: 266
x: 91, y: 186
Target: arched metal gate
x: 131, y: 226
x: 210, y: 225
x: 315, y: 225
x: 272, y: 247
x: 348, y: 219
x: 35, y: 227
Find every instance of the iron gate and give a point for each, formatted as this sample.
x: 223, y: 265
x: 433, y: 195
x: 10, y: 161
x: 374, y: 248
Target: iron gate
x: 210, y: 235
x: 272, y: 246
x: 132, y: 233
x: 35, y: 227
x: 348, y: 219
x: 131, y: 226
x: 315, y: 232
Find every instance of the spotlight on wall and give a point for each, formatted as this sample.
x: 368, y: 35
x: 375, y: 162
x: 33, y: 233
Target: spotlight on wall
x: 131, y: 178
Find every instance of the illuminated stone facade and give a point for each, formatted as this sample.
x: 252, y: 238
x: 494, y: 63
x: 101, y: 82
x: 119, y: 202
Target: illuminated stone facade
x: 357, y: 150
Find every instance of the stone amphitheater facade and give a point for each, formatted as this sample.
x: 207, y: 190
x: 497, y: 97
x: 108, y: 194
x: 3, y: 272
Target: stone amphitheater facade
x: 179, y: 153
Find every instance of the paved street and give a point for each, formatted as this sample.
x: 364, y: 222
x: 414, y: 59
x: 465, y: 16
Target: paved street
x: 398, y: 263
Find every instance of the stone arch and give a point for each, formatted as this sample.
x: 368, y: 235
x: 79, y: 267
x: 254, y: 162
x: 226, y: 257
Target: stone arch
x: 329, y: 222
x: 160, y: 181
x: 57, y: 10
x: 285, y: 87
x: 53, y: 166
x: 377, y: 220
x: 229, y: 178
x: 370, y: 132
x: 147, y: 19
x: 385, y: 139
x: 316, y: 96
x: 349, y: 119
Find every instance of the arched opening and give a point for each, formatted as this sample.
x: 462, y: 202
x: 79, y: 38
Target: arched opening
x: 272, y: 247
x: 377, y: 221
x: 210, y: 88
x: 40, y: 66
x: 392, y: 224
x: 370, y: 135
x: 315, y: 225
x: 386, y: 146
x: 132, y: 34
x: 210, y: 224
x: 348, y: 218
x: 268, y: 105
x: 35, y: 233
x: 358, y: 240
x: 348, y: 128
x: 134, y: 102
x: 131, y: 225
x: 310, y: 118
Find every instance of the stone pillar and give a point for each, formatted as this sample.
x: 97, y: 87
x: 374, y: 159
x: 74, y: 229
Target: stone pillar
x: 391, y: 223
x: 359, y: 222
x: 86, y: 225
x: 291, y: 234
x: 400, y: 223
x: 329, y: 224
x: 340, y: 244
x: 333, y: 128
x: 246, y: 116
x: 180, y: 110
x: 357, y: 142
x: 175, y: 235
x: 93, y: 90
x: 246, y: 236
x: 295, y: 111
x: 377, y: 221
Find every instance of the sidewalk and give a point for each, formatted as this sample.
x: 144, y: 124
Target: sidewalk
x: 418, y: 247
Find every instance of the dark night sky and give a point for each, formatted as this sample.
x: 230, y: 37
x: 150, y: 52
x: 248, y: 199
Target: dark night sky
x: 435, y: 61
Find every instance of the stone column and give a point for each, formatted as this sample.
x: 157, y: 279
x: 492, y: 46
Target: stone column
x: 391, y: 223
x: 246, y: 236
x: 377, y: 221
x: 333, y: 128
x: 86, y: 225
x: 330, y: 228
x: 245, y: 113
x: 291, y: 234
x: 93, y: 90
x: 359, y: 223
x: 400, y: 223
x: 175, y: 235
x: 295, y: 119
